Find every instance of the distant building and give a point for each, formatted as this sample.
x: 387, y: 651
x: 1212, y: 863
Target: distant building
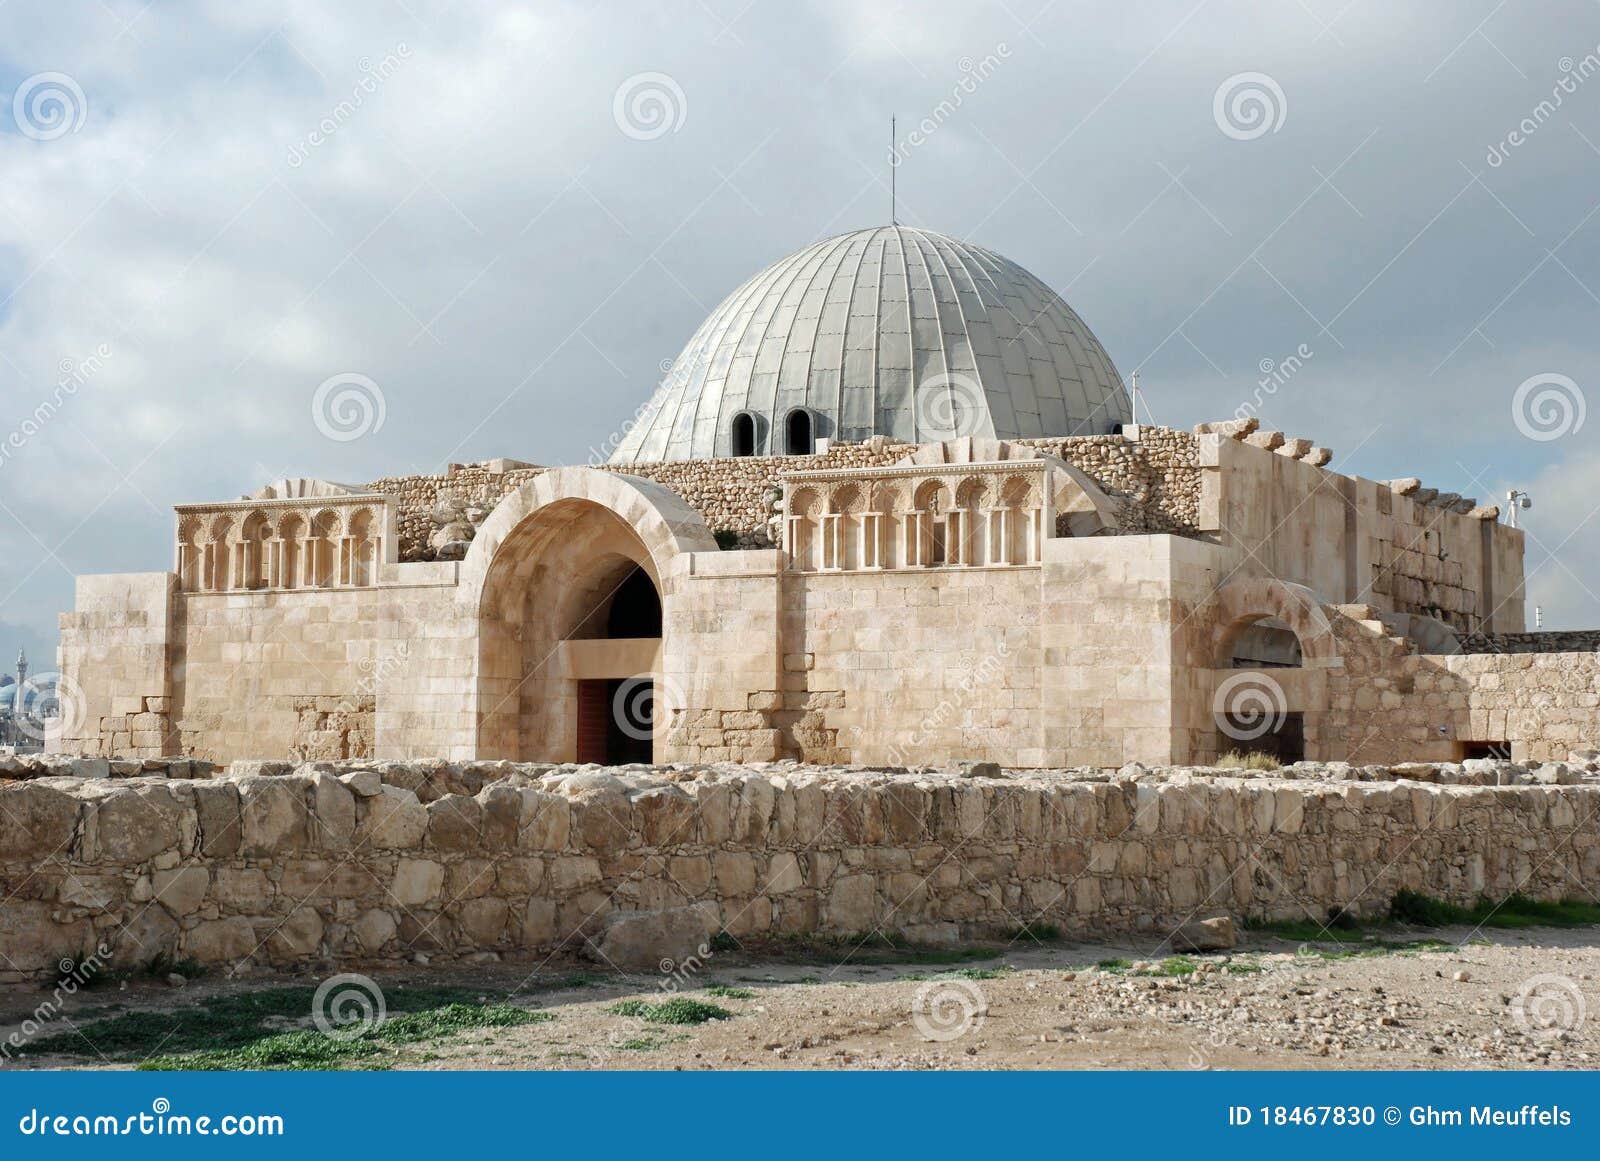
x: 22, y: 726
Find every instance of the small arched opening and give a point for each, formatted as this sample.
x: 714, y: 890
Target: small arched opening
x: 744, y: 434
x: 799, y: 438
x: 1262, y: 643
x: 635, y: 608
x: 1252, y: 708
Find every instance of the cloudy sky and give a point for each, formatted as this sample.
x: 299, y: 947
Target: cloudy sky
x: 509, y: 218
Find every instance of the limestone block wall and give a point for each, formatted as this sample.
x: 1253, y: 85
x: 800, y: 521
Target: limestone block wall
x: 115, y: 660
x: 724, y: 677
x: 1359, y: 541
x: 276, y: 673
x: 882, y: 666
x: 338, y: 861
x: 1119, y: 626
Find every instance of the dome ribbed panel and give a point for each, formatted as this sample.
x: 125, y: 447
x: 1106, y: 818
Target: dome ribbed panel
x: 866, y: 330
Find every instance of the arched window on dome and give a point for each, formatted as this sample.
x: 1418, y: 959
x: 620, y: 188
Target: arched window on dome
x: 798, y: 437
x: 744, y: 434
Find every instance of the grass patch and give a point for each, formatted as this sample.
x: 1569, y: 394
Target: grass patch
x: 1306, y: 931
x: 649, y: 1042
x: 938, y: 955
x: 1515, y: 911
x: 290, y: 1051
x: 222, y: 1024
x: 81, y: 975
x: 1173, y: 965
x: 1242, y: 967
x: 434, y: 1023
x: 894, y: 947
x: 724, y: 992
x: 1414, y: 909
x: 1234, y: 760
x: 973, y: 973
x: 1036, y: 933
x: 678, y: 1010
x: 871, y: 948
x: 1372, y: 948
x: 373, y: 1049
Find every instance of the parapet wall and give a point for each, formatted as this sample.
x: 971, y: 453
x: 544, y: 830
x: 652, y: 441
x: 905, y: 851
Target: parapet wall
x: 356, y: 861
x: 1156, y: 480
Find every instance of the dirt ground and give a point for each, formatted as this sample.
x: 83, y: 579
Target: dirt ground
x: 1502, y: 999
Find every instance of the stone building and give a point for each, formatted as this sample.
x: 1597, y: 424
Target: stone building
x: 889, y: 507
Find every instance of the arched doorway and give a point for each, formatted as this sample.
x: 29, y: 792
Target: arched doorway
x: 573, y: 579
x: 571, y: 642
x: 612, y: 652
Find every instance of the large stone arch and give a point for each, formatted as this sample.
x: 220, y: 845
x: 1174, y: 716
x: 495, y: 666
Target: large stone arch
x: 568, y: 536
x: 664, y: 522
x: 1245, y: 600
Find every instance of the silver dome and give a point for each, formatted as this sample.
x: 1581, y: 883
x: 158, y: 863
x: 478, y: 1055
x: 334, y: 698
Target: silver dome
x: 890, y: 331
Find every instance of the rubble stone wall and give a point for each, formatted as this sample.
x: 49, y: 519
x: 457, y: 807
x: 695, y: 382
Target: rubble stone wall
x: 1553, y: 641
x: 274, y: 864
x: 1157, y: 481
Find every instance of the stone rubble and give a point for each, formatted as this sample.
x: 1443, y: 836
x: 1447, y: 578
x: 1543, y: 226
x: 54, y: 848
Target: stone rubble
x: 281, y: 863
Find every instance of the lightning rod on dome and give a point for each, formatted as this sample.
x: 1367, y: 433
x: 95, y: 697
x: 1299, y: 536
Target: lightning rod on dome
x: 893, y: 165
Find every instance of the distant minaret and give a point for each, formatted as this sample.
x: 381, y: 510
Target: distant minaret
x: 22, y: 675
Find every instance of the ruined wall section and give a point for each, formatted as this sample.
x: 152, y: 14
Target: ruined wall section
x: 1390, y: 544
x: 1156, y: 481
x: 342, y: 862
